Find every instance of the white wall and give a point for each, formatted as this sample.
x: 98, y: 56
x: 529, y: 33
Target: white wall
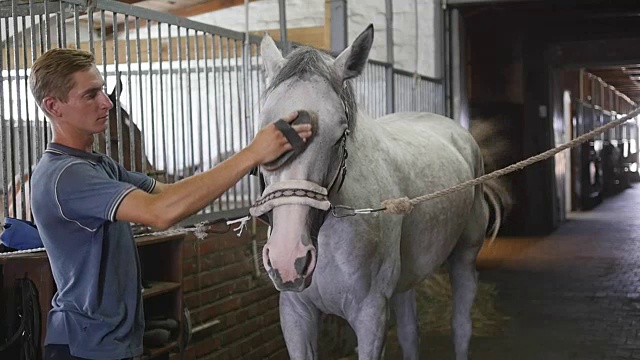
x: 264, y: 15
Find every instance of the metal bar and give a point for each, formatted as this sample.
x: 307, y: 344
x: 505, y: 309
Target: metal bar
x: 240, y: 118
x: 251, y: 106
x: 181, y: 104
x: 201, y: 104
x: 47, y: 24
x: 26, y: 9
x: 246, y: 63
x: 151, y: 107
x: 27, y: 119
x: 18, y: 105
x: 63, y: 25
x: 282, y: 9
x: 339, y: 33
x: 207, y: 95
x: 223, y: 119
x: 3, y: 133
x: 132, y: 138
x: 140, y: 92
x: 189, y: 103
x: 152, y: 15
x: 90, y: 10
x: 390, y: 56
x: 118, y: 91
x: 107, y: 131
x: 215, y: 96
x: 163, y: 94
x: 230, y: 118
x: 174, y: 118
x: 38, y: 143
x: 76, y: 25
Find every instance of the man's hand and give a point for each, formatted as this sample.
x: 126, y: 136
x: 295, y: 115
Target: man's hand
x: 270, y: 143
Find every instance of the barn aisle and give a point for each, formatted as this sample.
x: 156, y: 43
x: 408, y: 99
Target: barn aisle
x: 572, y: 295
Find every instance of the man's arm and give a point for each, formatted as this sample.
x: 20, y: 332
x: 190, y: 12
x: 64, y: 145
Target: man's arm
x: 170, y: 203
x: 160, y: 187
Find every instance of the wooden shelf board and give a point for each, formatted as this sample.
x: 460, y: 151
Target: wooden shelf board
x: 159, y: 287
x: 153, y: 239
x: 151, y: 353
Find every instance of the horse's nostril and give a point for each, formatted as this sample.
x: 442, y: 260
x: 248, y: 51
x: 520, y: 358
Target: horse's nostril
x: 307, y: 263
x: 268, y: 259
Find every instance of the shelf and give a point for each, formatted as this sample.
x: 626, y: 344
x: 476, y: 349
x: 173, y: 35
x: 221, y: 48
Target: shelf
x: 159, y: 287
x: 153, y: 239
x: 151, y: 353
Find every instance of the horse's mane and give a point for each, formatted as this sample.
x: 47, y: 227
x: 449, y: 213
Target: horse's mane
x: 308, y: 61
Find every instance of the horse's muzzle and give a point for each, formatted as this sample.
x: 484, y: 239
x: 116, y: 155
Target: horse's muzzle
x: 288, y: 275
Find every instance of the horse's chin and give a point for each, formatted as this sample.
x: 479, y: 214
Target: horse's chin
x: 298, y: 286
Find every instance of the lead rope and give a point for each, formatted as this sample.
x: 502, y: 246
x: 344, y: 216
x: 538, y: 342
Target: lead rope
x: 405, y: 205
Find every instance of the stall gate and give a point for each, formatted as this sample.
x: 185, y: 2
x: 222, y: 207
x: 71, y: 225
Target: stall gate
x: 607, y: 163
x: 187, y: 93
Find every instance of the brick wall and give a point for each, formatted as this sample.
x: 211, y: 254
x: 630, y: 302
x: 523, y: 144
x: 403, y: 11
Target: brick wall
x: 227, y: 289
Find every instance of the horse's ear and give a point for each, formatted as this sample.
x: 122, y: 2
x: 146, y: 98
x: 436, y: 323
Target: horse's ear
x: 113, y: 94
x: 353, y: 59
x: 271, y: 57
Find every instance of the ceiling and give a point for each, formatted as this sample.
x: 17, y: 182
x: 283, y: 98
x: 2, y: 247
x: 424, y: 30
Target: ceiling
x: 185, y: 8
x: 625, y: 79
x: 566, y: 21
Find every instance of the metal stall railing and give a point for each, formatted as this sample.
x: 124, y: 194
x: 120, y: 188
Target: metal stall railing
x: 186, y: 93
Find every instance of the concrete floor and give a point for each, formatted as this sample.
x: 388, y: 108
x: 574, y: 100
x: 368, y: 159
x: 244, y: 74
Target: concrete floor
x: 572, y: 295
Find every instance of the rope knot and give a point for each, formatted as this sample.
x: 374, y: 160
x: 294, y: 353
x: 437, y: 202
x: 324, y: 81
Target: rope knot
x: 398, y: 206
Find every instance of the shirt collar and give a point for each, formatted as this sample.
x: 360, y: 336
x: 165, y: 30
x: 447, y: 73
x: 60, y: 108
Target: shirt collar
x: 60, y: 149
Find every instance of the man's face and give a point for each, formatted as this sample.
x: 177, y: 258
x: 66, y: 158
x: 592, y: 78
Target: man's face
x: 87, y: 106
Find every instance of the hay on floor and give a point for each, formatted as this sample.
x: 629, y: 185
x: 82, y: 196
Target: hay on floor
x: 434, y: 306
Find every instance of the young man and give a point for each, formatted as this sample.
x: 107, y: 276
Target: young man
x: 83, y: 203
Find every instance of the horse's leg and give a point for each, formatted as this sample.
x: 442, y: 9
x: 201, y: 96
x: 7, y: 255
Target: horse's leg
x: 463, y: 275
x: 404, y: 305
x: 464, y: 283
x: 299, y: 322
x: 370, y: 325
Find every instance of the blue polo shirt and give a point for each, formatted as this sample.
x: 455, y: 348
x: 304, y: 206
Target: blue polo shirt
x: 97, y: 309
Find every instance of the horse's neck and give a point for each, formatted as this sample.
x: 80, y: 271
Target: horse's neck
x: 366, y: 137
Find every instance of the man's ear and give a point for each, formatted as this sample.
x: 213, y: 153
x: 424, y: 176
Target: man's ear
x: 271, y: 57
x: 353, y: 59
x: 51, y: 106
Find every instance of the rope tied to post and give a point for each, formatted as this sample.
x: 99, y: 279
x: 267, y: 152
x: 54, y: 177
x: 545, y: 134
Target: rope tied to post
x: 405, y: 205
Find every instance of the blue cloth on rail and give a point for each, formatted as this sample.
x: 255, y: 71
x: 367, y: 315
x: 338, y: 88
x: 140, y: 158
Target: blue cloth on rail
x: 20, y: 234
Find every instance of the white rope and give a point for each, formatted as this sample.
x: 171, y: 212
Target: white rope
x: 199, y: 231
x: 20, y: 252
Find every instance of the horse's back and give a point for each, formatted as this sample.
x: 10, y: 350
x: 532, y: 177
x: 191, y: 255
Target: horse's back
x: 431, y: 134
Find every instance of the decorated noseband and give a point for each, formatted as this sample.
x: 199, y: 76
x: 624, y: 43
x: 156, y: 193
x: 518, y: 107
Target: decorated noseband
x: 291, y: 192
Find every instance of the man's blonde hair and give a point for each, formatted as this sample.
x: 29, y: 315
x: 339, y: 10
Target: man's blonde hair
x: 51, y: 73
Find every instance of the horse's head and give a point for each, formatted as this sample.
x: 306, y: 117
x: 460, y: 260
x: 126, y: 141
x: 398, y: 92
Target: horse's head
x: 297, y: 194
x: 118, y: 114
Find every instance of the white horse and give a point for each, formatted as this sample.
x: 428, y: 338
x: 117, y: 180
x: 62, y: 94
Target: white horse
x: 360, y: 267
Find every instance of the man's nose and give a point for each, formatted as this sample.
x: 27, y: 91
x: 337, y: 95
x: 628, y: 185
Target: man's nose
x: 106, y: 102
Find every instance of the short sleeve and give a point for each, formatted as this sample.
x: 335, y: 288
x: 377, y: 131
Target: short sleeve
x: 139, y: 180
x: 87, y: 196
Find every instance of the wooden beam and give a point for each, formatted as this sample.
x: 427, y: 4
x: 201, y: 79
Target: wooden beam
x: 206, y: 6
x: 312, y: 36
